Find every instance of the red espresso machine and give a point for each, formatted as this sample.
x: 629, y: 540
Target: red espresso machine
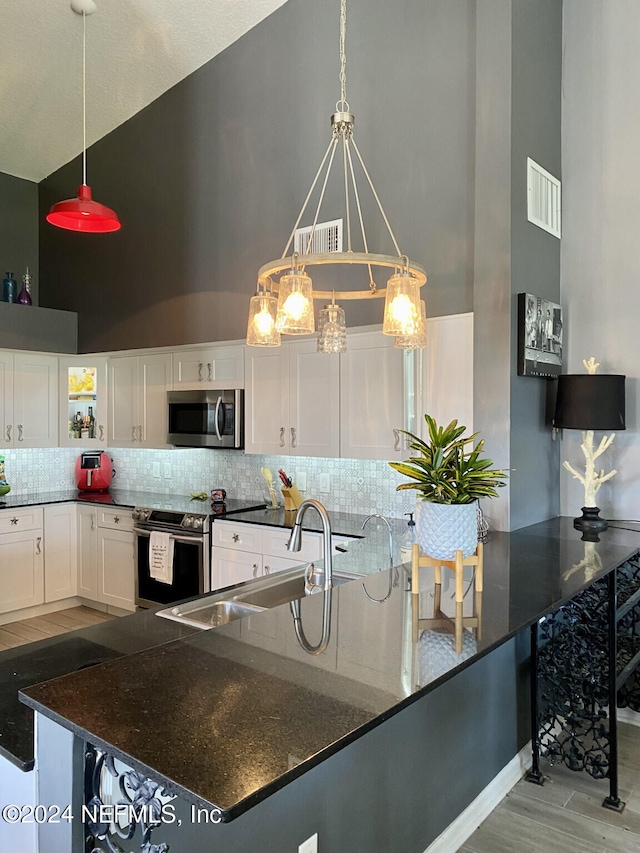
x: 93, y: 471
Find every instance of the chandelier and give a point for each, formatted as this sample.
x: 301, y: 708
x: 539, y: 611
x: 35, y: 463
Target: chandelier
x: 285, y: 306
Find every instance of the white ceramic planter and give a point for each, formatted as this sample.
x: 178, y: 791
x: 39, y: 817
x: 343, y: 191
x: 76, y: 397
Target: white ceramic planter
x: 443, y: 529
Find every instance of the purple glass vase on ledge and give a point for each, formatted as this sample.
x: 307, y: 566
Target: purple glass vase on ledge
x: 24, y: 297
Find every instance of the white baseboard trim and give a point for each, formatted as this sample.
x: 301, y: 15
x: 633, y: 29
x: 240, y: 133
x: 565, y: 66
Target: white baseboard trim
x: 626, y: 715
x: 38, y: 610
x: 455, y: 835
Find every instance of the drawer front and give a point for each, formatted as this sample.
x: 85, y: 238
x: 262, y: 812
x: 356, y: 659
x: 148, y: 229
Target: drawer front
x: 241, y: 537
x: 14, y: 520
x: 116, y: 519
x: 275, y: 540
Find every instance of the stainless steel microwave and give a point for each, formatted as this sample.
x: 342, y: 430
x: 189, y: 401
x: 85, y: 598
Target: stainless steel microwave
x: 206, y: 418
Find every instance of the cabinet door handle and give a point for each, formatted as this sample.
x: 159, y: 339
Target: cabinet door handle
x: 133, y: 433
x: 93, y: 522
x: 116, y: 519
x: 15, y: 520
x: 235, y: 537
x: 210, y: 371
x: 267, y: 570
x: 281, y: 436
x: 20, y: 438
x: 101, y: 428
x: 8, y: 438
x: 200, y: 377
x: 396, y: 444
x: 255, y: 570
x: 294, y: 438
x: 38, y: 548
x: 139, y: 432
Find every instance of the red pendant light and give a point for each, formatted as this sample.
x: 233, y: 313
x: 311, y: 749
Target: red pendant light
x: 83, y: 213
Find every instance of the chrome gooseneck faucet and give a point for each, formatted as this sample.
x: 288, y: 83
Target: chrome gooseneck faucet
x: 295, y: 540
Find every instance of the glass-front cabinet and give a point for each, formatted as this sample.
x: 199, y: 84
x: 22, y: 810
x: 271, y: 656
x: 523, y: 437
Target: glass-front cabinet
x: 83, y: 401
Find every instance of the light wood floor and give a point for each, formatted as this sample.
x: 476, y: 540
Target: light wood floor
x: 565, y: 815
x: 40, y: 627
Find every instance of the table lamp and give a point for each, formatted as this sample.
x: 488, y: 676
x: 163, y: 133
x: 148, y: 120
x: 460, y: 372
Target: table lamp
x: 588, y: 402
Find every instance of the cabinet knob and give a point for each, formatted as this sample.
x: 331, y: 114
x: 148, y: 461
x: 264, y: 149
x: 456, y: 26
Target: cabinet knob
x: 116, y: 519
x: 14, y: 520
x: 8, y: 438
x: 235, y: 537
x: 281, y: 436
x: 20, y: 438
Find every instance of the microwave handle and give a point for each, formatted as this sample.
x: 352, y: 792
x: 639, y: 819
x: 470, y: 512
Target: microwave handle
x: 215, y: 417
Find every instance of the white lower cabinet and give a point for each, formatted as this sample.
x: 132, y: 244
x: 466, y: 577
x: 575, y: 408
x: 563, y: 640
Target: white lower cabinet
x: 60, y: 552
x: 106, y: 569
x: 21, y: 559
x: 87, y: 551
x: 230, y: 567
x: 116, y: 583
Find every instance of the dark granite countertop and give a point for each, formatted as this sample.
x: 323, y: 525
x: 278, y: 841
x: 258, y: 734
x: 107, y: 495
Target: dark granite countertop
x: 71, y: 652
x: 225, y: 717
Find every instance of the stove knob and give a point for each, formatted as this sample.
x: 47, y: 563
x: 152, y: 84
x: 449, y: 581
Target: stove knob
x: 135, y: 515
x: 198, y: 522
x: 188, y: 521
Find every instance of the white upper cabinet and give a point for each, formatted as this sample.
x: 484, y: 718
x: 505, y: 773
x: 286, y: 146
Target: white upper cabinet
x: 83, y: 401
x: 447, y: 377
x: 28, y: 399
x: 292, y: 400
x: 138, y: 388
x: 219, y: 368
x: 372, y: 396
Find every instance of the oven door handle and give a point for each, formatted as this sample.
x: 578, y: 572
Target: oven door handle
x: 190, y: 540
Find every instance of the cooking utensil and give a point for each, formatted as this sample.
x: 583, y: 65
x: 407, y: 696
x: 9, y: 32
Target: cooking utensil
x: 286, y: 481
x: 268, y: 476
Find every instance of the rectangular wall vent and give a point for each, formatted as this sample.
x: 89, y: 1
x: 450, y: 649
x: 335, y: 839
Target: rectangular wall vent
x: 544, y: 199
x: 327, y: 237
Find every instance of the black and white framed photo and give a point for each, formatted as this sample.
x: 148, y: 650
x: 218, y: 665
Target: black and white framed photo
x: 539, y: 336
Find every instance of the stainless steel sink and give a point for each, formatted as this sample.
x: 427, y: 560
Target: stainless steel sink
x: 204, y: 613
x: 220, y: 608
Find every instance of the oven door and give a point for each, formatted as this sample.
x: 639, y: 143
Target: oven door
x: 190, y: 569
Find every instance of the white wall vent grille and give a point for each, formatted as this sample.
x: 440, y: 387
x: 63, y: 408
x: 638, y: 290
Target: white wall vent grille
x: 327, y: 237
x: 544, y: 199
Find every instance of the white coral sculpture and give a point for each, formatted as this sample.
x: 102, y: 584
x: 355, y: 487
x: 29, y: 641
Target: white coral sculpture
x: 590, y: 479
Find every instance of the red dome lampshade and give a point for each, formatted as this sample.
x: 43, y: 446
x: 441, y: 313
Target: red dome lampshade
x: 84, y: 214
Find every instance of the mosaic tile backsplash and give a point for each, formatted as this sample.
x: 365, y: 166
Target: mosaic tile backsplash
x: 355, y: 485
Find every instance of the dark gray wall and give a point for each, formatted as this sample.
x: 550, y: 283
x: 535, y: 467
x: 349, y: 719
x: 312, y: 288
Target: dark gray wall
x: 536, y: 101
x: 518, y: 114
x: 33, y: 328
x: 208, y: 179
x: 19, y: 229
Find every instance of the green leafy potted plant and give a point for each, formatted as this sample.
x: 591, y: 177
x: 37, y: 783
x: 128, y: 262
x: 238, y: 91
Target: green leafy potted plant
x: 449, y: 477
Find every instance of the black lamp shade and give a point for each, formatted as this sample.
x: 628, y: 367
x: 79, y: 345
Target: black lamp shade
x: 589, y: 401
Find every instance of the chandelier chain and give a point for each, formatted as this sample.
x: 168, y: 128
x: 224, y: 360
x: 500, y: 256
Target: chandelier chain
x: 342, y: 104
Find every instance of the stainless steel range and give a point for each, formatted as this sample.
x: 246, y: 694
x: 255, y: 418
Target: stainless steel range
x: 188, y: 524
x: 190, y: 535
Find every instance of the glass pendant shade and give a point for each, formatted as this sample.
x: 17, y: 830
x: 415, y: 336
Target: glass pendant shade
x: 332, y: 330
x: 402, y: 305
x: 417, y: 340
x: 261, y: 328
x: 295, y: 305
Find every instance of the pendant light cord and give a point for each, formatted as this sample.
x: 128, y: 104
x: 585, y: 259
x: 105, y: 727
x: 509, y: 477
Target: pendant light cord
x: 84, y: 99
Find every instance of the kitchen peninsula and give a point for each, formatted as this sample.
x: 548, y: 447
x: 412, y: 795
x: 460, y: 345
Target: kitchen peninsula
x: 280, y: 748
